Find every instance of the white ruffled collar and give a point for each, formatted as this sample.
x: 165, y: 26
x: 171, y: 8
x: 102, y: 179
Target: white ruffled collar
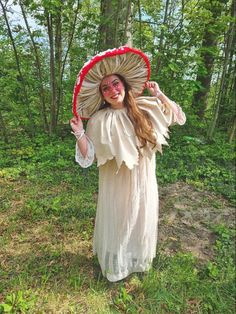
x: 113, y: 135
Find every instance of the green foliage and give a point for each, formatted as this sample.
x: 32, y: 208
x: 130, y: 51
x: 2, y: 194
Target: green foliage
x: 123, y: 300
x: 47, y: 163
x: 223, y: 268
x: 52, y: 192
x: 178, y: 285
x: 173, y: 45
x: 197, y: 161
x: 45, y: 194
x: 19, y: 302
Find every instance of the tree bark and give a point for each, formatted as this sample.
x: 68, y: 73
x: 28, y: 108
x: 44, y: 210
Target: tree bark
x: 38, y: 69
x: 58, y: 61
x: 128, y: 26
x: 200, y: 97
x: 71, y: 37
x: 113, y: 23
x: 221, y: 101
x: 53, y: 108
x: 3, y: 129
x: 232, y: 133
x: 105, y: 26
x: 140, y: 25
x: 207, y: 56
x: 25, y: 99
x: 178, y: 43
x: 161, y: 42
x: 63, y: 62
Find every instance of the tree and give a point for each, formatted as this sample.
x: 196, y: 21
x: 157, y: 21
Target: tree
x: 38, y: 70
x: 3, y: 128
x: 115, y: 21
x: 189, y: 43
x: 59, y: 17
x: 208, y: 52
x: 25, y: 98
x: 226, y: 91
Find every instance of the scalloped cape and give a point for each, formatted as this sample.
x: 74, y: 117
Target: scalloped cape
x: 113, y: 136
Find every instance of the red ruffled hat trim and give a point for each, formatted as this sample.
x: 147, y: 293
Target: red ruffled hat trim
x: 98, y: 58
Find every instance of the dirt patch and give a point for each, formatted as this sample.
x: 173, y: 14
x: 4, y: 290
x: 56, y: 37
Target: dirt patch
x: 187, y: 217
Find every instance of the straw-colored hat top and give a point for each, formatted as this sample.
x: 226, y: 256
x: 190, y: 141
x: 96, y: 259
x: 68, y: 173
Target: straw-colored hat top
x: 128, y: 62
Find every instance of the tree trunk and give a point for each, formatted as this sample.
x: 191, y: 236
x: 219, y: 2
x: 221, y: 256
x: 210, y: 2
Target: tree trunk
x: 228, y: 56
x: 71, y: 36
x: 207, y: 55
x: 128, y: 25
x: 38, y: 69
x: 114, y: 19
x: 140, y: 25
x: 178, y: 43
x: 53, y: 108
x: 25, y: 99
x: 63, y: 63
x: 161, y: 42
x: 204, y: 77
x: 114, y: 41
x: 232, y: 133
x: 58, y: 61
x: 228, y: 97
x: 3, y: 129
x: 105, y: 22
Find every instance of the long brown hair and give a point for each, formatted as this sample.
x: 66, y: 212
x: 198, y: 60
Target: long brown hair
x: 140, y: 119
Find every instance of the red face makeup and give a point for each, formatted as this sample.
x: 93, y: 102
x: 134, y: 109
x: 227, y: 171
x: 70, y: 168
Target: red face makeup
x: 113, y: 91
x: 112, y: 87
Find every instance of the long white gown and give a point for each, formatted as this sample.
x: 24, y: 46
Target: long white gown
x: 126, y: 223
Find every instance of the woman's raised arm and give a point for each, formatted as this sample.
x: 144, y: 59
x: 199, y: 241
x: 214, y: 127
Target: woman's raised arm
x: 155, y: 90
x: 79, y: 132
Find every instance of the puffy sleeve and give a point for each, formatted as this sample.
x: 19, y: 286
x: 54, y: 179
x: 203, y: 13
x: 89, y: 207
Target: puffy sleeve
x: 112, y: 133
x: 166, y: 114
x: 162, y: 117
x: 87, y: 161
x: 172, y: 112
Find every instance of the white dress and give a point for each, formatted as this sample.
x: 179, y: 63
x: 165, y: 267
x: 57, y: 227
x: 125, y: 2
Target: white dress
x: 126, y: 223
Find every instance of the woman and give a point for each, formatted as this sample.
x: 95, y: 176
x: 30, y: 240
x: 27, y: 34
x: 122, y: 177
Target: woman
x: 123, y: 133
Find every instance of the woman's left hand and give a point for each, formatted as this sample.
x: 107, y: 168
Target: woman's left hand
x: 153, y: 88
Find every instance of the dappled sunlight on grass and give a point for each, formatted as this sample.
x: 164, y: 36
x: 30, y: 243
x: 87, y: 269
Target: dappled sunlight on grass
x: 47, y: 216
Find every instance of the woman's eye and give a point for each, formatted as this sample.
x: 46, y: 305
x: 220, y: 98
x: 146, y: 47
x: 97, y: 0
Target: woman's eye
x: 105, y: 89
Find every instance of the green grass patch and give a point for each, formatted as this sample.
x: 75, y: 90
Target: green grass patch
x: 206, y: 165
x: 47, y: 212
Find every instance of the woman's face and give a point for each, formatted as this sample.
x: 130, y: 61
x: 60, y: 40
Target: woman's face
x: 113, y: 91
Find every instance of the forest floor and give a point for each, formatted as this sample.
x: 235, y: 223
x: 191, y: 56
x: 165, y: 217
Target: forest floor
x: 47, y: 212
x: 187, y: 216
x: 47, y: 264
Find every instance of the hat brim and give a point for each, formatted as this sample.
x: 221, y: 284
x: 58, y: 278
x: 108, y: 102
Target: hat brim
x: 130, y: 63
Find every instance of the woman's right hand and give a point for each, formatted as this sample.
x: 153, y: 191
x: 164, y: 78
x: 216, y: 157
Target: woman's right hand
x: 76, y: 124
x: 153, y: 88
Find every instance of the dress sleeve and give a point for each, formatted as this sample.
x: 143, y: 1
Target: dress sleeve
x: 87, y: 161
x: 173, y: 113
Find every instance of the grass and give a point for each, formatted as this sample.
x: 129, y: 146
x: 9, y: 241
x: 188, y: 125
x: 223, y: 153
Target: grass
x: 47, y: 210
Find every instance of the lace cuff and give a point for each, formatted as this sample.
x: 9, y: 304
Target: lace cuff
x: 87, y: 161
x: 173, y: 112
x: 180, y: 117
